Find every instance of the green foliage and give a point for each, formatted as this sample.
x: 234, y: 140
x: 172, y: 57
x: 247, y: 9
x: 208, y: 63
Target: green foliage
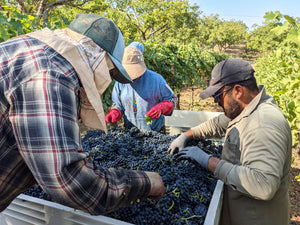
x: 181, y: 64
x: 106, y: 97
x: 216, y: 32
x: 46, y: 11
x: 287, y: 26
x: 13, y: 23
x: 207, y: 25
x: 279, y: 30
x: 58, y: 22
x: 69, y: 11
x: 164, y: 21
x: 262, y: 39
x: 279, y: 70
x: 280, y: 73
x: 227, y: 33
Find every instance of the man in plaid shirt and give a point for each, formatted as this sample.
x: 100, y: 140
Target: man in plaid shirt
x: 47, y: 79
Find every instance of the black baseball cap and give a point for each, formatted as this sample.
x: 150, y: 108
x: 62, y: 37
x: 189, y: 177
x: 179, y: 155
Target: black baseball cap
x: 227, y: 72
x: 107, y: 35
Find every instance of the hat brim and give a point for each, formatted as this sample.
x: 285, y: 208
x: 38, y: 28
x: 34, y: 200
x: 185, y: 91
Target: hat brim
x: 211, y: 90
x: 122, y: 76
x: 135, y: 70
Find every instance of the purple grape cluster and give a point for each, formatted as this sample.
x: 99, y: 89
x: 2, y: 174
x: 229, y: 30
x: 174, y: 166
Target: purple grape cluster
x: 188, y: 188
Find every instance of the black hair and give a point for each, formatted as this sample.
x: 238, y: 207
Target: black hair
x: 250, y: 84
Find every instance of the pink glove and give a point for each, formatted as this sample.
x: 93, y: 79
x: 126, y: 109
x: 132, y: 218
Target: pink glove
x: 113, y: 116
x: 164, y: 108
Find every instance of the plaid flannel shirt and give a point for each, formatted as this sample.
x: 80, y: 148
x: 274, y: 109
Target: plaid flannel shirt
x: 40, y: 139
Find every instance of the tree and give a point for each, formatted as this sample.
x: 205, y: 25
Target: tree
x: 261, y: 39
x: 227, y: 33
x: 42, y: 8
x: 163, y: 20
x: 14, y: 23
x: 278, y: 30
x: 216, y: 32
x: 206, y: 25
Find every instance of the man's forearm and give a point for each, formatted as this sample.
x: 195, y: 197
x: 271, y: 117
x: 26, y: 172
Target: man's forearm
x: 189, y: 134
x: 212, y: 164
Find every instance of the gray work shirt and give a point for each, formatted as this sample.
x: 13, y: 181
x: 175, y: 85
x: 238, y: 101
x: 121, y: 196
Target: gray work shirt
x: 255, y: 164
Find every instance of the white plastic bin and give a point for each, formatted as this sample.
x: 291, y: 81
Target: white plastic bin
x: 183, y: 120
x: 214, y: 210
x: 27, y: 210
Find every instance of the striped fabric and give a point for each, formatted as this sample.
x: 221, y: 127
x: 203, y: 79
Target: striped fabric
x: 40, y: 139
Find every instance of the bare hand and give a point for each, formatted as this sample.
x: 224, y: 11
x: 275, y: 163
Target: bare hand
x: 157, y: 190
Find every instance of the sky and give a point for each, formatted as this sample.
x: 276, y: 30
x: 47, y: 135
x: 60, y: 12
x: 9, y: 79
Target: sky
x: 249, y: 11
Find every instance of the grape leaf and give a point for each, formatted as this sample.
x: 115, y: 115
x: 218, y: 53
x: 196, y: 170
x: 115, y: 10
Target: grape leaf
x: 148, y: 120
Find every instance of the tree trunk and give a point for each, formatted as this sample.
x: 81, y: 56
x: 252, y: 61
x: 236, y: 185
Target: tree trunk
x: 178, y: 102
x: 191, y: 99
x: 298, y: 146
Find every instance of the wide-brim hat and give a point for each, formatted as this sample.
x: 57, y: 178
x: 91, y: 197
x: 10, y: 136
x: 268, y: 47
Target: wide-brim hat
x: 107, y: 35
x: 133, y: 62
x: 227, y: 72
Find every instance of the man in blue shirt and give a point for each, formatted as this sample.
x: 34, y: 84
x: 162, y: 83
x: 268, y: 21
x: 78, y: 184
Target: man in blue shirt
x: 148, y: 95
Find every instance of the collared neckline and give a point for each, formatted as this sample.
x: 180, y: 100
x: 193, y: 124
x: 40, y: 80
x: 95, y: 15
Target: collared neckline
x: 251, y: 106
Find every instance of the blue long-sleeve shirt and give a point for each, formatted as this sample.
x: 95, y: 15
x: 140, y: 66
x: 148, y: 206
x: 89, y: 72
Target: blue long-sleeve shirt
x: 136, y: 99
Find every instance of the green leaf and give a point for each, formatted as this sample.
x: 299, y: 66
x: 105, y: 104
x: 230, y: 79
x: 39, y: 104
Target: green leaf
x: 294, y: 36
x: 148, y: 120
x: 291, y: 20
x: 269, y: 16
x: 3, y: 34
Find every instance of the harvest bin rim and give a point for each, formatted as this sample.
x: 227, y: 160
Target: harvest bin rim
x: 25, y: 210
